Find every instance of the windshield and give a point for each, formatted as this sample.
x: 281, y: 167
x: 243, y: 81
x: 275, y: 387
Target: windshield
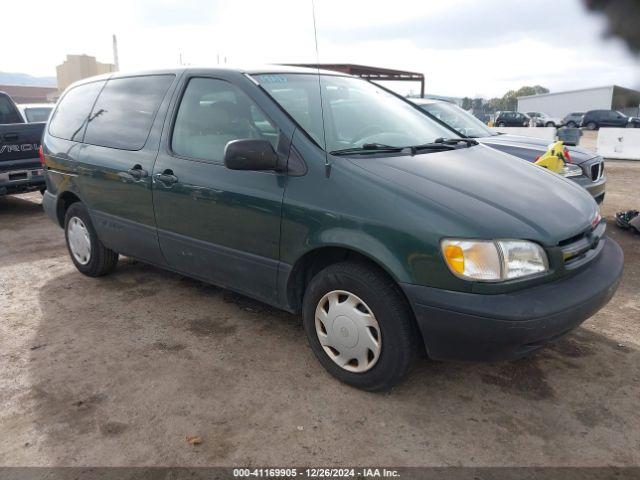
x: 354, y: 112
x: 457, y: 118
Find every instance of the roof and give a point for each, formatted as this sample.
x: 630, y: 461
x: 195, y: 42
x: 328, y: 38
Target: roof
x: 36, y: 105
x: 204, y: 70
x: 608, y: 87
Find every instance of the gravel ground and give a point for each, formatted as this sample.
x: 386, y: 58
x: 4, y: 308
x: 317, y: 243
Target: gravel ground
x: 120, y: 370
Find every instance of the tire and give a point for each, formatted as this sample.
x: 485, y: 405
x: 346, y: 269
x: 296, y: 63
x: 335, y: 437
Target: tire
x: 370, y: 290
x: 592, y: 126
x: 100, y: 260
x: 550, y: 124
x: 501, y: 124
x: 571, y: 125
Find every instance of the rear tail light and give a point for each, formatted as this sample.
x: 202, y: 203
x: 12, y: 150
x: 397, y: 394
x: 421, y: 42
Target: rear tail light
x: 40, y: 152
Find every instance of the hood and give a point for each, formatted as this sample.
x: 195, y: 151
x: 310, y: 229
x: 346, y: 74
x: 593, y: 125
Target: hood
x: 529, y: 148
x: 480, y: 192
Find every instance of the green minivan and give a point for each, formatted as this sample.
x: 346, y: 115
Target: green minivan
x: 326, y: 195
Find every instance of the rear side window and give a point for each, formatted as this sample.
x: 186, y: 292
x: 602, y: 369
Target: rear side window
x: 124, y: 112
x: 8, y: 113
x: 70, y: 118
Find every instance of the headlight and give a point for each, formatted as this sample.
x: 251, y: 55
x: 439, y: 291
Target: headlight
x: 493, y: 260
x: 571, y: 170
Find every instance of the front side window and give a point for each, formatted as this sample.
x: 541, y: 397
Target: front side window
x: 459, y: 119
x: 353, y: 112
x: 70, y: 117
x: 125, y: 110
x: 8, y: 113
x: 211, y: 114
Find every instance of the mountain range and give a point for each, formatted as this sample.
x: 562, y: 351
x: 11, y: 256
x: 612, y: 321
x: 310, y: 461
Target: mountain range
x: 7, y: 78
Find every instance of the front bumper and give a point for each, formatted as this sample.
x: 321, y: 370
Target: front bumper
x: 468, y: 326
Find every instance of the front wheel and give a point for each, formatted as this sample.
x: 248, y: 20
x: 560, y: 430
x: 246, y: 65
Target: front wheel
x: 359, y: 326
x: 571, y: 124
x: 550, y: 124
x: 87, y: 252
x: 591, y: 126
x: 501, y: 124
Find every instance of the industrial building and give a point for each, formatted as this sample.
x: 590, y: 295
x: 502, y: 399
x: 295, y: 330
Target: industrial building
x: 558, y: 104
x: 30, y: 94
x: 77, y: 67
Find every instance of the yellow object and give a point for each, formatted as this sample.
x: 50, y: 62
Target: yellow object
x: 553, y: 159
x: 455, y: 258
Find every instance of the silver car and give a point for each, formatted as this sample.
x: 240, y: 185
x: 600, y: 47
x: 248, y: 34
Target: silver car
x: 586, y: 167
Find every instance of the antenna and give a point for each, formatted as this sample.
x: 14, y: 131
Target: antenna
x: 327, y: 165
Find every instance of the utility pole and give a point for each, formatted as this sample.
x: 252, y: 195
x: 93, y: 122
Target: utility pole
x: 115, y: 53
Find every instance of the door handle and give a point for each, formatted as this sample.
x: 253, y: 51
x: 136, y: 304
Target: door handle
x: 167, y: 177
x: 10, y: 137
x: 137, y: 172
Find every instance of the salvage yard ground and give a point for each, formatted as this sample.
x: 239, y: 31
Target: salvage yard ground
x: 120, y: 370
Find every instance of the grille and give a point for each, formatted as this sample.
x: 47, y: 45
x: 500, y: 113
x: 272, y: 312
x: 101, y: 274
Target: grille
x: 597, y: 169
x: 582, y: 248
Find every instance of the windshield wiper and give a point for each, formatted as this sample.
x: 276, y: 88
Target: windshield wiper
x: 452, y: 141
x: 368, y: 148
x: 442, y: 144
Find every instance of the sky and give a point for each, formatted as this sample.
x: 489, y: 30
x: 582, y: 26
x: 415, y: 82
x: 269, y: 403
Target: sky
x: 464, y: 47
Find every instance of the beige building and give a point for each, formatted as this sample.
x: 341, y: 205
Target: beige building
x: 77, y: 67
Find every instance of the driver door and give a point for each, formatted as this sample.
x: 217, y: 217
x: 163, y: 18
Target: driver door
x: 214, y: 223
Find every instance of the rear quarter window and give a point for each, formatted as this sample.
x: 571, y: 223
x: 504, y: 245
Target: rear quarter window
x: 123, y: 115
x: 70, y: 118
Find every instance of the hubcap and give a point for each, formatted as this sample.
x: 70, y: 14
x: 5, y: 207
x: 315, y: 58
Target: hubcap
x: 348, y: 331
x: 79, y: 240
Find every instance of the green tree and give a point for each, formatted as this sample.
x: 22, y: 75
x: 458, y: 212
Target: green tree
x: 466, y: 103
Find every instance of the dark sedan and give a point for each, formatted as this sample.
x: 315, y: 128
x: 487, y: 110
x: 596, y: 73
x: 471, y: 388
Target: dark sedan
x: 586, y: 168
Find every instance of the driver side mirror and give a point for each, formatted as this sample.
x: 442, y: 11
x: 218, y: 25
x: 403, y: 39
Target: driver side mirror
x: 250, y: 154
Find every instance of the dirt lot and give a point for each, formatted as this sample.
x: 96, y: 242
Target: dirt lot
x: 119, y: 370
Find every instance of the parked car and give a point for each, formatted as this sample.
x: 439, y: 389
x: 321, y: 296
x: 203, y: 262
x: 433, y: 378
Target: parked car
x: 385, y: 229
x: 20, y: 168
x: 594, y: 119
x: 36, y: 112
x: 511, y: 119
x: 573, y: 120
x: 586, y: 169
x: 541, y: 119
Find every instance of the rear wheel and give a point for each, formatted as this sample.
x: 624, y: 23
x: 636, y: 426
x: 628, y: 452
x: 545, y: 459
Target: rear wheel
x: 359, y: 326
x: 87, y: 252
x: 501, y: 124
x: 550, y: 124
x: 571, y: 124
